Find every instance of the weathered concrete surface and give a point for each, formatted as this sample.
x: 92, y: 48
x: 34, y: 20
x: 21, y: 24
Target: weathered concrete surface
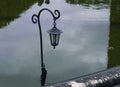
x: 106, y: 78
x: 117, y: 86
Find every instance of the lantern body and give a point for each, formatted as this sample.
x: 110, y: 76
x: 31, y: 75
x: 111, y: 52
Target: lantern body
x: 54, y: 34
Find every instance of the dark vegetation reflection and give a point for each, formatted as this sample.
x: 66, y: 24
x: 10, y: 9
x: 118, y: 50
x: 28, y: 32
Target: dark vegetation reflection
x: 89, y: 2
x: 80, y: 2
x: 40, y: 2
x: 10, y: 10
x: 114, y: 41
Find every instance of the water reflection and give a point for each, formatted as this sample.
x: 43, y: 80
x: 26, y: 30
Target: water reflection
x: 93, y: 2
x: 10, y: 10
x: 47, y: 1
x: 40, y: 2
x: 114, y: 41
x: 88, y: 3
x: 82, y: 49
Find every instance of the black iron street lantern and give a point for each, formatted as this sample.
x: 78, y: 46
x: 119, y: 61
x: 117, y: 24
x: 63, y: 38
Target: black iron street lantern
x: 54, y: 34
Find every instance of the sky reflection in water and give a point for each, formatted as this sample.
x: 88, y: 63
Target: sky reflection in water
x: 82, y: 48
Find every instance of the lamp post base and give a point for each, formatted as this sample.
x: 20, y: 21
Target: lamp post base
x: 43, y: 76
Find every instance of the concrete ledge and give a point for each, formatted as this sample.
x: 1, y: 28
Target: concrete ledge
x: 106, y: 78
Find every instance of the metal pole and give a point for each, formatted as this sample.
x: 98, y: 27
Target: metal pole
x: 36, y: 19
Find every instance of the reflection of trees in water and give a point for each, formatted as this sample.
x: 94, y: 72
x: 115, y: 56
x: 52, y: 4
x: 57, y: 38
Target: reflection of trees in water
x: 114, y: 41
x: 95, y: 4
x: 5, y: 20
x: 40, y: 2
x: 115, y: 11
x: 114, y: 46
x: 87, y: 1
x: 9, y: 10
x: 47, y: 1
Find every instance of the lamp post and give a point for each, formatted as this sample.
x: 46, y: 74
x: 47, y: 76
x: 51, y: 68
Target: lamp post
x: 54, y: 34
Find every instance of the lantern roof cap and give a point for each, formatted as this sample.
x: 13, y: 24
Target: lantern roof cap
x: 54, y: 30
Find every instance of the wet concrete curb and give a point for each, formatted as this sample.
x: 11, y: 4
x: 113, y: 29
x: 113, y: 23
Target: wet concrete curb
x: 106, y: 78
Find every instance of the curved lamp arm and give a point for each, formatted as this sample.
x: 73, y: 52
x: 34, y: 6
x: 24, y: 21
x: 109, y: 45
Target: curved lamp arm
x: 36, y: 19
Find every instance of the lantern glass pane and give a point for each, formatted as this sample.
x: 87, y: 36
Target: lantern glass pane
x: 54, y: 39
x: 54, y: 34
x: 51, y: 38
x: 57, y: 39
